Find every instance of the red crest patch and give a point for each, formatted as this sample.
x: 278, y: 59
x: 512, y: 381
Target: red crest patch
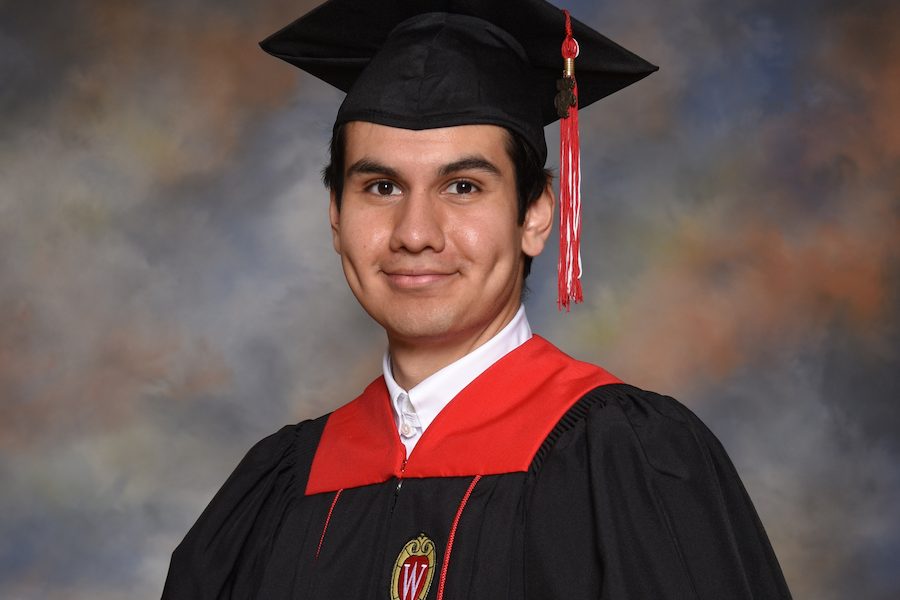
x: 413, y: 570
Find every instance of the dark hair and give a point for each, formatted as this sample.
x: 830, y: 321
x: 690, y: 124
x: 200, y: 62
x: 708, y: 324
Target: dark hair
x: 531, y: 176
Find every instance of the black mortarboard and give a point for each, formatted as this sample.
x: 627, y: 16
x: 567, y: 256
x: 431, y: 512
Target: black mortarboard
x: 424, y: 64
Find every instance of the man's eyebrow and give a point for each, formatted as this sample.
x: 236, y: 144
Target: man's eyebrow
x: 371, y: 167
x: 469, y: 163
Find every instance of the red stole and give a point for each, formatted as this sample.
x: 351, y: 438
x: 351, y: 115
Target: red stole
x: 495, y: 425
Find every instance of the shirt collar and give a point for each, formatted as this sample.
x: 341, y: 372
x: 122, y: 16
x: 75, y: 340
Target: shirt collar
x: 433, y: 393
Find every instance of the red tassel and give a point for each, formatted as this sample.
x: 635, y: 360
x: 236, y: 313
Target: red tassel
x: 569, y: 268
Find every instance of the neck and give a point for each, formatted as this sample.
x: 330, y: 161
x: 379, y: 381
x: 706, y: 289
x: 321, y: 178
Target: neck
x: 412, y: 361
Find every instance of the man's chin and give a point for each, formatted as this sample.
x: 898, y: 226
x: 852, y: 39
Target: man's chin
x: 421, y: 326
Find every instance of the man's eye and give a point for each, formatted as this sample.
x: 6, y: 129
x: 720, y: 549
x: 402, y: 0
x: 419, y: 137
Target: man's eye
x: 384, y: 188
x: 461, y: 187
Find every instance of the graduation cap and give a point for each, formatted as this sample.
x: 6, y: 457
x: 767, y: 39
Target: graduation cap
x: 424, y: 64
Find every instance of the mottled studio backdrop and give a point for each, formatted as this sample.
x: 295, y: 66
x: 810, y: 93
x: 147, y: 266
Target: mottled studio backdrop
x: 168, y: 293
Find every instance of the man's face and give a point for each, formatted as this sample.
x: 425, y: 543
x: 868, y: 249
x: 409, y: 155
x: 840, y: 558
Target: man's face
x: 427, y: 230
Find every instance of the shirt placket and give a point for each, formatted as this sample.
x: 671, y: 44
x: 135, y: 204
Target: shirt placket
x: 410, y: 426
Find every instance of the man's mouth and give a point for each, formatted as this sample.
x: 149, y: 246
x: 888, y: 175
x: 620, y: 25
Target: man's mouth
x: 416, y: 278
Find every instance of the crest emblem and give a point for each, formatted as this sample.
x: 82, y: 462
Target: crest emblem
x: 413, y: 570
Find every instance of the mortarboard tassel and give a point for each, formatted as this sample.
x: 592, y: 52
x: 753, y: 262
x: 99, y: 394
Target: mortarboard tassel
x: 569, y: 268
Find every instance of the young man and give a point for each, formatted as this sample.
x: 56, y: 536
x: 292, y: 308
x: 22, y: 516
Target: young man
x: 484, y: 462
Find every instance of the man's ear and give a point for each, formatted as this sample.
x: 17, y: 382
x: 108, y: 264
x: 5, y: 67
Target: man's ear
x: 334, y: 216
x: 538, y: 222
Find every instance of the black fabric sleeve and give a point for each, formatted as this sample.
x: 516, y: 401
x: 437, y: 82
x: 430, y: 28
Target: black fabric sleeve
x: 635, y: 498
x: 225, y: 553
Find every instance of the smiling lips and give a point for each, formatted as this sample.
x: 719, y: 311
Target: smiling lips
x: 416, y: 278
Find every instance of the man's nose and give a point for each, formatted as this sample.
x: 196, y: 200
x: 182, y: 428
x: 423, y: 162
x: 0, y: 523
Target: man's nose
x: 418, y: 224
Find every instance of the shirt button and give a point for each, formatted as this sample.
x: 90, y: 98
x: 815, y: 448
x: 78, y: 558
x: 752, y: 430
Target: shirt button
x: 406, y: 430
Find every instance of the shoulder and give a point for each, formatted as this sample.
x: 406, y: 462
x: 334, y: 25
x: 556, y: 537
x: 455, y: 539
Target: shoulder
x: 274, y: 457
x: 667, y: 435
x: 228, y: 541
x: 638, y: 482
x: 278, y: 460
x: 286, y: 446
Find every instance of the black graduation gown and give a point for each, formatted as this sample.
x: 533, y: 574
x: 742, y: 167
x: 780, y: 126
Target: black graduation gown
x: 614, y: 493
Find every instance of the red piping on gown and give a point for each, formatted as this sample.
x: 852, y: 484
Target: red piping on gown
x: 459, y: 511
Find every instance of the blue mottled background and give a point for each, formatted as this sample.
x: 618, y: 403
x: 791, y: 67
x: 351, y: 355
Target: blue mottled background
x: 168, y: 293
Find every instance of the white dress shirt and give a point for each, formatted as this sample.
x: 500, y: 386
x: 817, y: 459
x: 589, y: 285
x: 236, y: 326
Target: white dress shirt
x: 415, y: 409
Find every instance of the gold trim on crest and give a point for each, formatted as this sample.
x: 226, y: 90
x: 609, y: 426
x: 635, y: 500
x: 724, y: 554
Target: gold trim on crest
x: 413, y: 570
